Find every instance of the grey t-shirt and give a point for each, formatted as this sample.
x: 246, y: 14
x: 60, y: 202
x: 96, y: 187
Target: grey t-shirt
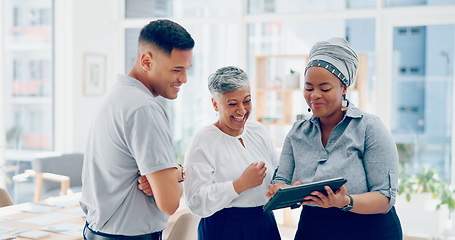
x: 130, y: 132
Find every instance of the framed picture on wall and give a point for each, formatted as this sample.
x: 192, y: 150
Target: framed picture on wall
x: 94, y: 74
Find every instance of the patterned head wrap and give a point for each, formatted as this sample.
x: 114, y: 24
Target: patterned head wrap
x: 337, y: 56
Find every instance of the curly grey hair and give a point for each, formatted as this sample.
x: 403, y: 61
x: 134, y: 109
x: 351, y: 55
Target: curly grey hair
x: 227, y: 79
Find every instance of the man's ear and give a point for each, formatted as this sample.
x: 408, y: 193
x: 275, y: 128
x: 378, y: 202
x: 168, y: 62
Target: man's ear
x: 146, y: 61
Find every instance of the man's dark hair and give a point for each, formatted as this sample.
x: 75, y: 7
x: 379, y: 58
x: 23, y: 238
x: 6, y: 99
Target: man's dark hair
x: 166, y: 35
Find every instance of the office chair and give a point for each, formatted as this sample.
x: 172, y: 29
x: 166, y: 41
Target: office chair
x: 5, y: 200
x: 56, y: 175
x: 185, y: 227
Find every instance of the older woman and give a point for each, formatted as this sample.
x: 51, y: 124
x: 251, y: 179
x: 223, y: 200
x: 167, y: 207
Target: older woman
x: 339, y: 140
x: 229, y: 165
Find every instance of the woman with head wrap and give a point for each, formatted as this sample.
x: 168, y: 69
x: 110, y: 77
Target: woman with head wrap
x: 340, y: 140
x: 229, y: 165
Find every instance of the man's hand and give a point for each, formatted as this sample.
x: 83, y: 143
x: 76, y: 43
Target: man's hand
x: 181, y: 173
x: 144, y: 185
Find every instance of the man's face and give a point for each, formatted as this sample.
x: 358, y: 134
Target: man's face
x: 169, y: 73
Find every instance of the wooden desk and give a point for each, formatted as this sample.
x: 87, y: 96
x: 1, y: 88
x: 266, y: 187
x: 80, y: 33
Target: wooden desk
x: 18, y: 216
x: 71, y: 204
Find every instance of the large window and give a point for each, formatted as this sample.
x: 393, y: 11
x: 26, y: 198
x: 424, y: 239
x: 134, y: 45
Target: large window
x: 402, y: 3
x: 306, y: 6
x: 27, y: 81
x: 28, y: 74
x: 423, y: 96
x: 181, y: 8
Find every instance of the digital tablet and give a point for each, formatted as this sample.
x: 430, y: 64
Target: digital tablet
x: 292, y: 196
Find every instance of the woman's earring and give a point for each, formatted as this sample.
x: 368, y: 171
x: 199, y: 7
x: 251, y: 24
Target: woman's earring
x: 344, y: 104
x: 309, y: 109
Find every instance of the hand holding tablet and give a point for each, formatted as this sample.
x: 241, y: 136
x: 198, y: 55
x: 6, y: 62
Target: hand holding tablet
x: 293, y: 196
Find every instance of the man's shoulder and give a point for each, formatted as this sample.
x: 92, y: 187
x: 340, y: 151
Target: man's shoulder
x: 132, y: 97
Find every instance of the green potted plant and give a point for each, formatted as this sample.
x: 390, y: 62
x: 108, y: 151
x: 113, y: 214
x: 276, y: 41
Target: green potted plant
x: 427, y: 181
x: 292, y: 81
x: 425, y: 202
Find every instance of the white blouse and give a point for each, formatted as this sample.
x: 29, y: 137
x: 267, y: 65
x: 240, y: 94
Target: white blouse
x: 214, y: 160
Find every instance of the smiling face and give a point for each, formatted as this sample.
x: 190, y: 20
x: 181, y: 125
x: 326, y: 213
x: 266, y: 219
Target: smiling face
x: 323, y: 93
x: 167, y: 73
x: 234, y: 109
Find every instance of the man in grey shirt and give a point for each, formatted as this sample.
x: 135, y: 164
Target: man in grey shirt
x: 131, y: 133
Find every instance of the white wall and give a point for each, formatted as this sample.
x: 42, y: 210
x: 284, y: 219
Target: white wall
x: 2, y: 102
x: 81, y: 26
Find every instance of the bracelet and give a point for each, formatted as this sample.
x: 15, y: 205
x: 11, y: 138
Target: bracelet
x: 183, y: 173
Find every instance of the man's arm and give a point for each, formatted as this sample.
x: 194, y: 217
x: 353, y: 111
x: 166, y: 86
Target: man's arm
x: 166, y: 189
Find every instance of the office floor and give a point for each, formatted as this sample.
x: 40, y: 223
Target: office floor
x: 287, y: 233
